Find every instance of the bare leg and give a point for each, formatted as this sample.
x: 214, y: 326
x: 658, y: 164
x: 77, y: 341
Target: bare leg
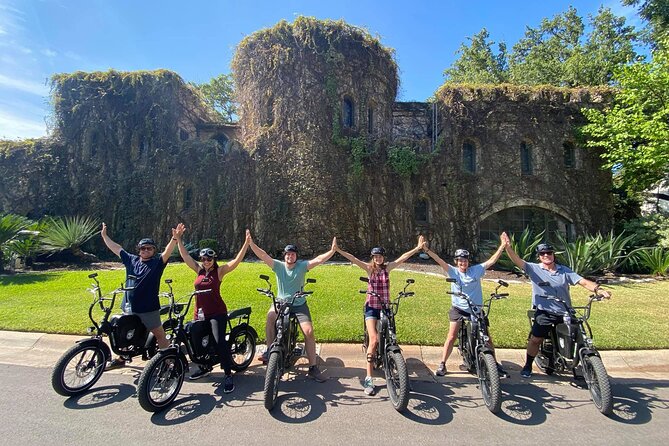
x: 373, y: 342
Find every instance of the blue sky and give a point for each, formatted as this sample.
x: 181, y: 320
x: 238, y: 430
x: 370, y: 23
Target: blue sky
x: 196, y: 39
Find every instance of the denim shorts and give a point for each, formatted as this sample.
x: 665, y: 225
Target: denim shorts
x: 372, y: 313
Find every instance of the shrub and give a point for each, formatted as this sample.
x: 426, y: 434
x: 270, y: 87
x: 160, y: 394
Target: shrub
x: 10, y: 225
x: 524, y: 246
x: 652, y: 260
x: 68, y: 234
x: 593, y: 254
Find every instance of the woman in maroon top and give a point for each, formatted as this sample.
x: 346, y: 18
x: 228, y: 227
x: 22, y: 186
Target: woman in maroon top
x: 377, y: 271
x: 209, y: 277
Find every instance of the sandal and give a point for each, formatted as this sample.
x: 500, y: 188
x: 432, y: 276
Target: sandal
x: 115, y: 363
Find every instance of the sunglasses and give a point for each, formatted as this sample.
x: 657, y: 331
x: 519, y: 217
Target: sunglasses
x: 206, y: 259
x: 545, y: 253
x: 147, y: 248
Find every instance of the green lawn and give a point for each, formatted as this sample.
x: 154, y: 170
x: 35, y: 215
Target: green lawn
x: 57, y: 302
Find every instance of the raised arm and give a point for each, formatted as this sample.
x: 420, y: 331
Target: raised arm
x: 111, y: 244
x: 165, y: 255
x: 258, y: 251
x: 232, y: 264
x: 183, y: 252
x: 313, y: 263
x: 506, y: 241
x: 407, y: 255
x: 436, y: 258
x: 354, y: 260
x: 495, y: 257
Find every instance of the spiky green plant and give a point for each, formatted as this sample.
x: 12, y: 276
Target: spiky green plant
x: 10, y: 225
x: 524, y: 246
x: 68, y: 234
x: 593, y: 254
x: 654, y: 260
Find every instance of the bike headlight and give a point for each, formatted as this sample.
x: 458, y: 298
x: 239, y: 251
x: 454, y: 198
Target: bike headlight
x: 90, y: 330
x: 486, y: 338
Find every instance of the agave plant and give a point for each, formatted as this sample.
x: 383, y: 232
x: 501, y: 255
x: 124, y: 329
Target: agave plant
x: 10, y: 225
x: 68, y: 234
x: 593, y: 254
x: 654, y: 260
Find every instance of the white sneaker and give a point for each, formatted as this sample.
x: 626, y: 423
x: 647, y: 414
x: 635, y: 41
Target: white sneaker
x: 369, y: 386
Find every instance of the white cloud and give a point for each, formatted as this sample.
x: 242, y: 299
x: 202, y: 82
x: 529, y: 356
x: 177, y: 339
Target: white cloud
x: 12, y: 127
x: 49, y: 53
x: 2, y: 31
x: 31, y: 87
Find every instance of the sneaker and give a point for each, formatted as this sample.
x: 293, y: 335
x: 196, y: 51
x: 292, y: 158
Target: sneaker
x: 441, y: 370
x: 501, y: 372
x: 264, y: 357
x: 200, y: 373
x: 526, y: 372
x: 115, y: 363
x: 228, y: 384
x: 369, y: 386
x: 316, y: 375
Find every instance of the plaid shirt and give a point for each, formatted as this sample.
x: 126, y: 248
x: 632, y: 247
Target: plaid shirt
x: 380, y: 284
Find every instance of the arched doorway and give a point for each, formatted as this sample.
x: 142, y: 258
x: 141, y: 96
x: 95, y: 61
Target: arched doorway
x: 515, y: 219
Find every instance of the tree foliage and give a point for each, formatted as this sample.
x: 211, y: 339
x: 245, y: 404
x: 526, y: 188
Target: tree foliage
x: 633, y: 134
x: 558, y: 52
x: 219, y: 94
x: 656, y: 14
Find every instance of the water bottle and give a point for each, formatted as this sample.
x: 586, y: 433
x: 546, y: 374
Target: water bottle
x: 566, y: 319
x: 127, y: 308
x: 200, y: 314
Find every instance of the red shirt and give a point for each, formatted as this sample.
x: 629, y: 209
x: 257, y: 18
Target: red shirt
x: 211, y: 303
x: 380, y: 284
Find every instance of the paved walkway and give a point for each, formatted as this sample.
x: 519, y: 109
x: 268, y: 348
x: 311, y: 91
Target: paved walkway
x: 347, y: 360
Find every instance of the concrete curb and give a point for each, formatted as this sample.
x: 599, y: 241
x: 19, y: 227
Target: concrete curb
x: 347, y: 360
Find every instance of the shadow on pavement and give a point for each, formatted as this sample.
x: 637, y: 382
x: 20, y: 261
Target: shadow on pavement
x: 634, y: 403
x: 185, y: 409
x: 100, y: 396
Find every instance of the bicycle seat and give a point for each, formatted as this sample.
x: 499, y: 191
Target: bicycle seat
x: 234, y: 314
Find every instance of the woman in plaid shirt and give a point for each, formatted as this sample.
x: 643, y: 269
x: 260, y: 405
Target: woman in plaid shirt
x: 377, y: 271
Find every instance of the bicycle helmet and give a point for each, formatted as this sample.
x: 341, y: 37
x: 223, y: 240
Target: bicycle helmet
x: 290, y: 248
x: 544, y: 247
x: 146, y: 242
x: 207, y: 252
x: 378, y: 251
x: 461, y: 254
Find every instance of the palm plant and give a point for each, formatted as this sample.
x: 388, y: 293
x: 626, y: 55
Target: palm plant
x: 10, y: 225
x: 654, y: 260
x: 68, y: 234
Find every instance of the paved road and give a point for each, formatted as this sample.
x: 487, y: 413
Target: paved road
x: 336, y: 412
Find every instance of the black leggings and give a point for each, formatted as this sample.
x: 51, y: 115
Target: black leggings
x: 219, y: 324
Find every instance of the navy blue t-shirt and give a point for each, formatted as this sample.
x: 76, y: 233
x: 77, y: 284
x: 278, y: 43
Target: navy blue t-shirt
x: 144, y: 298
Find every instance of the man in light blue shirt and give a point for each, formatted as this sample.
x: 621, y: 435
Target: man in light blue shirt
x: 290, y: 276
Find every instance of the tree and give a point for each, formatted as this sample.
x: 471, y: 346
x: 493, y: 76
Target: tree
x: 219, y: 94
x: 656, y: 14
x: 478, y: 63
x: 633, y: 133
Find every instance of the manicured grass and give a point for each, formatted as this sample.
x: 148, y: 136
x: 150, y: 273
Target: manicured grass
x: 57, y: 302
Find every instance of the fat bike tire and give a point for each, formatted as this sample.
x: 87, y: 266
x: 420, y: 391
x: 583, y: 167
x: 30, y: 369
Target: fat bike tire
x: 160, y: 381
x: 598, y: 383
x: 397, y: 381
x: 80, y: 367
x: 242, y: 347
x: 272, y: 379
x: 489, y: 382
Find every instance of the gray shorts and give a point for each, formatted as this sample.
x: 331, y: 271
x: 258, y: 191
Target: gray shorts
x: 301, y: 312
x: 151, y: 319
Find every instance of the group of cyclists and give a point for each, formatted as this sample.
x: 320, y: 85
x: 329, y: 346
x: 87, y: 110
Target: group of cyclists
x: 148, y: 265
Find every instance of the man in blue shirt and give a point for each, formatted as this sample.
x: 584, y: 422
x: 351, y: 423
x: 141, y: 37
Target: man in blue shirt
x: 548, y: 312
x: 290, y: 276
x: 148, y: 268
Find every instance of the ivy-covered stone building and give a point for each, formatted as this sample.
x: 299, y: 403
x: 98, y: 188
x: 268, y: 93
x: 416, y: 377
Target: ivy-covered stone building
x: 321, y: 149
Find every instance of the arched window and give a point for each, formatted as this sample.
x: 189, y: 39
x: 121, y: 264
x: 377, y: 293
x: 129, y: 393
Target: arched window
x: 188, y: 198
x: 183, y: 135
x: 222, y: 140
x: 269, y: 111
x: 370, y: 120
x: 569, y: 155
x: 526, y: 167
x: 347, y: 114
x: 469, y: 157
x: 515, y: 220
x: 421, y: 211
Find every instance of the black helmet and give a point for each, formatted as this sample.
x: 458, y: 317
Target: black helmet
x: 461, y: 254
x: 290, y: 248
x: 544, y: 247
x: 378, y: 251
x: 146, y: 242
x: 207, y: 252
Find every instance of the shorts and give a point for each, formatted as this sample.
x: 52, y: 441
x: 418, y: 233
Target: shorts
x: 372, y: 313
x: 150, y: 319
x: 301, y: 312
x: 543, y: 321
x: 457, y: 314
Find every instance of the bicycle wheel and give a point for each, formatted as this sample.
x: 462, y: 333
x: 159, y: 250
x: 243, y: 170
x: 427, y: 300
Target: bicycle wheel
x: 489, y: 382
x: 272, y: 379
x: 242, y: 347
x: 397, y: 380
x: 598, y: 383
x: 160, y: 381
x: 78, y: 369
